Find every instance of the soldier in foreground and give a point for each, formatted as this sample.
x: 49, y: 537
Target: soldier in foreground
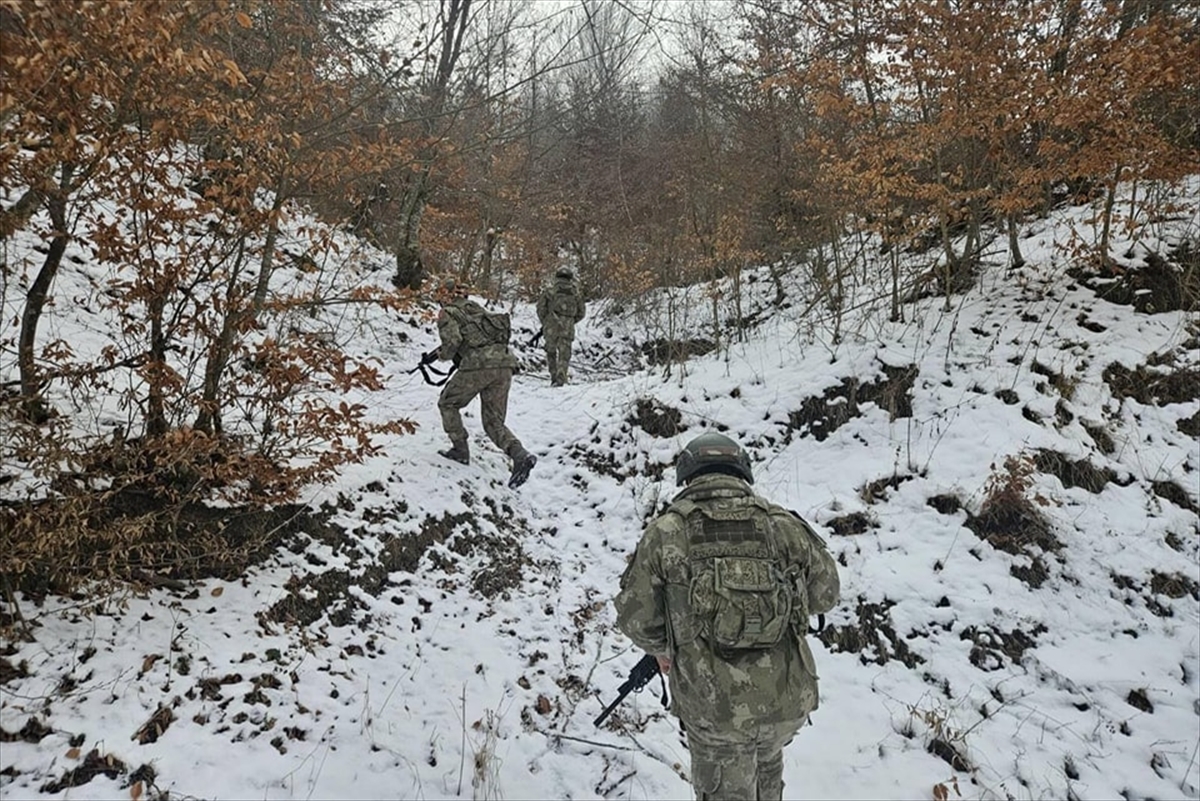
x: 559, y: 309
x: 477, y: 341
x: 720, y: 590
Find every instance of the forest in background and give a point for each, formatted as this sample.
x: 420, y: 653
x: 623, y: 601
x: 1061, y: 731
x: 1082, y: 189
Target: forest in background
x: 646, y: 144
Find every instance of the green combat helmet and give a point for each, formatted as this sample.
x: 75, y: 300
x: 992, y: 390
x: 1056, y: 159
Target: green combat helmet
x: 712, y: 453
x: 450, y: 288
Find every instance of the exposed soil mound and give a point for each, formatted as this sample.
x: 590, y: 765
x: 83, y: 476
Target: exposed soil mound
x: 945, y: 504
x: 1162, y: 285
x: 656, y: 419
x: 877, y: 491
x: 873, y: 637
x: 990, y: 647
x: 1074, y: 472
x: 1014, y: 525
x: 1170, y: 491
x: 170, y: 544
x: 851, y: 524
x: 334, y: 594
x: 93, y: 765
x: 1153, y: 387
x: 1190, y: 425
x: 671, y: 351
x: 1170, y: 586
x: 821, y: 416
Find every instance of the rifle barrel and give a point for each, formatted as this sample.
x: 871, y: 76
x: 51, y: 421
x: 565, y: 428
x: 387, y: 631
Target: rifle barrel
x: 608, y: 709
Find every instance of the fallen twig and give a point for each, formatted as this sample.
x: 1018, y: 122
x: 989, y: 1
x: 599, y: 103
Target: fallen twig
x: 561, y: 736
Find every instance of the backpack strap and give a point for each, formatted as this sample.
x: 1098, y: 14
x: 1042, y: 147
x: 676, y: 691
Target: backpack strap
x: 470, y: 324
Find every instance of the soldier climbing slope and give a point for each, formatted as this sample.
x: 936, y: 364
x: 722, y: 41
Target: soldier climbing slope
x: 559, y: 309
x: 477, y: 341
x: 720, y: 590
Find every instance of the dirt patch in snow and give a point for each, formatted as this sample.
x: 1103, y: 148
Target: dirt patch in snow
x: 1161, y: 285
x: 990, y: 647
x: 656, y: 419
x: 670, y: 351
x: 1151, y: 386
x: 820, y: 416
x: 1074, y: 472
x: 335, y: 594
x: 851, y: 524
x: 1020, y: 529
x: 1157, y: 593
x: 873, y: 637
x: 1170, y: 491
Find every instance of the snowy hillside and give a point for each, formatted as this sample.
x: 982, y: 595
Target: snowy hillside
x: 425, y: 632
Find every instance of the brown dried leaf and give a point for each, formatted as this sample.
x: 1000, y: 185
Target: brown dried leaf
x: 243, y: 19
x: 135, y: 792
x: 216, y: 591
x: 73, y: 753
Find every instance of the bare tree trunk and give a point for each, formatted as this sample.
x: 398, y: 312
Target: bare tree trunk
x: 897, y: 314
x: 208, y: 419
x: 156, y: 406
x: 1014, y: 244
x: 487, y: 258
x: 35, y: 298
x: 737, y: 303
x: 716, y: 321
x: 410, y: 272
x: 1106, y: 229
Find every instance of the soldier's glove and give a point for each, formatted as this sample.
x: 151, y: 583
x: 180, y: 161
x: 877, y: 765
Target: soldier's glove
x: 430, y: 357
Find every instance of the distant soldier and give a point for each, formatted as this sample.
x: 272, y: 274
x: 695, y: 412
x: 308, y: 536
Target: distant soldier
x: 559, y: 308
x: 720, y: 590
x: 477, y: 341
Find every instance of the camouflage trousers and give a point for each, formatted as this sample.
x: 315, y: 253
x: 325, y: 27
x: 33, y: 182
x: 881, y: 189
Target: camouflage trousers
x: 746, y: 764
x: 491, y: 384
x: 558, y: 357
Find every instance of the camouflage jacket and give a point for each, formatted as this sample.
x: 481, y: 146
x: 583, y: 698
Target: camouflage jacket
x: 451, y: 321
x: 560, y: 307
x: 766, y: 686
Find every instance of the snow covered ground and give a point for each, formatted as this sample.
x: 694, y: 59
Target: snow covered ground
x: 444, y: 636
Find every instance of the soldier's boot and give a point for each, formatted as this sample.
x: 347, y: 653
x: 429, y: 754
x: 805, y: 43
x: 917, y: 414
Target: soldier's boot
x: 458, y: 452
x: 523, y: 462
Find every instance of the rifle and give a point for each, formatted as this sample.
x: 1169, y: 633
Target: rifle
x: 639, y: 677
x: 426, y: 367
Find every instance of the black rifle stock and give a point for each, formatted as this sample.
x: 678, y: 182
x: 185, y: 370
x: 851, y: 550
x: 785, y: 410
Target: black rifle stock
x: 645, y: 670
x: 426, y: 367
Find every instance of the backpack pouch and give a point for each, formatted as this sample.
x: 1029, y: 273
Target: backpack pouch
x: 738, y: 596
x: 753, y: 606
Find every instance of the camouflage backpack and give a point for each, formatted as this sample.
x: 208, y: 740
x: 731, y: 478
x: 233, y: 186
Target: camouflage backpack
x: 481, y: 327
x: 564, y: 302
x: 741, y: 598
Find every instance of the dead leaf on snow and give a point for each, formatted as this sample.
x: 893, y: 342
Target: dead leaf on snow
x: 153, y: 728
